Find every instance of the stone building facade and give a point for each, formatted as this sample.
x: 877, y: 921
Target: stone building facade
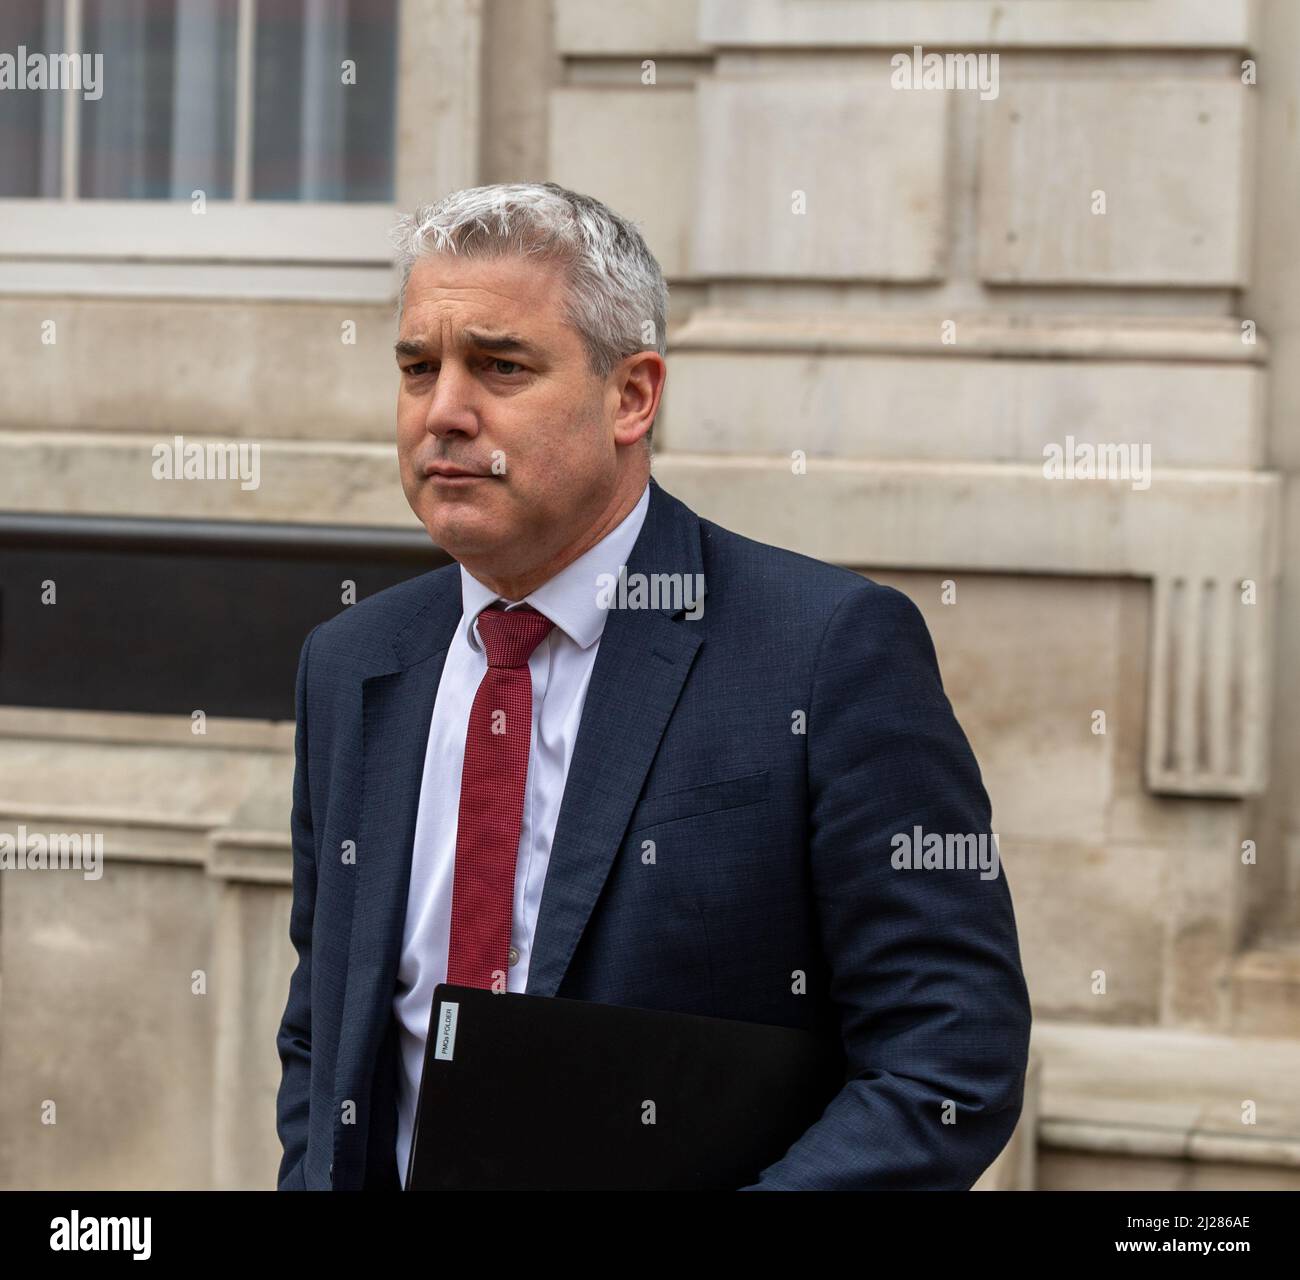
x: 890, y: 304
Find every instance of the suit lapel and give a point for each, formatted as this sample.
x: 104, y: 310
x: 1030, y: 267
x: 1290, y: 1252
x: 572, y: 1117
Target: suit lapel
x: 641, y: 665
x: 396, y: 706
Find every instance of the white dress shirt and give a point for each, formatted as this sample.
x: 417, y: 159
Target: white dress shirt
x: 560, y: 668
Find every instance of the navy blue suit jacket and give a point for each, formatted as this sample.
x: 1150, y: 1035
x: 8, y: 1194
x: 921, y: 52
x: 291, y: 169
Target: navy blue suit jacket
x: 772, y: 896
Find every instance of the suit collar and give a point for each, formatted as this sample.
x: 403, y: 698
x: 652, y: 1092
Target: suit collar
x: 668, y: 542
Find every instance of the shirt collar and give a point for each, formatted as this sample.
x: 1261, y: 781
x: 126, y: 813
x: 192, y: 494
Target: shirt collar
x: 571, y: 599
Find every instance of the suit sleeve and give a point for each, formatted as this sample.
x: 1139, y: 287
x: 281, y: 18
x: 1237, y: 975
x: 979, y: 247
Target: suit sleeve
x: 924, y: 965
x: 293, y: 1040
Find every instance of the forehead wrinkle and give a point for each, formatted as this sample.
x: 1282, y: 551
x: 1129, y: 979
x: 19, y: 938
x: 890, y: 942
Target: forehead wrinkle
x: 442, y: 321
x: 469, y: 339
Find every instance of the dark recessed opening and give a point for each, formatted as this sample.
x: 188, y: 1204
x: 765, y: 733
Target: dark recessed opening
x: 173, y: 616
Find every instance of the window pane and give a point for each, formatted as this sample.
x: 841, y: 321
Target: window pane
x: 317, y: 136
x: 31, y: 120
x: 165, y: 125
x: 323, y: 86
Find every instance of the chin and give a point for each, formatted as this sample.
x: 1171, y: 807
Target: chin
x: 457, y: 531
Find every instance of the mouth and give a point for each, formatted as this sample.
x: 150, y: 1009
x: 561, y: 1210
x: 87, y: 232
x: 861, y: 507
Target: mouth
x: 444, y: 473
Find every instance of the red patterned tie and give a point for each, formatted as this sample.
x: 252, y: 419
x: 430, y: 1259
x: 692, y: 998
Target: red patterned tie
x: 492, y: 798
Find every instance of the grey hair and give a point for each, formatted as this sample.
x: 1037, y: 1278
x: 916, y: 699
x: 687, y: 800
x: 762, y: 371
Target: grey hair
x: 617, y: 298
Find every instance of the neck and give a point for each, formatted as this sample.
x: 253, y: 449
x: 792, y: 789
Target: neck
x: 514, y: 587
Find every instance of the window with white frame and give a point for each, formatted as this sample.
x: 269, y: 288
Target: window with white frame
x: 215, y: 130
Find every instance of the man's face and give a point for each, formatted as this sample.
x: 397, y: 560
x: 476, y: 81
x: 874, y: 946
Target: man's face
x: 493, y: 381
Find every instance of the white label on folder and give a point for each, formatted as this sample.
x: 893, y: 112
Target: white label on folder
x: 445, y: 1048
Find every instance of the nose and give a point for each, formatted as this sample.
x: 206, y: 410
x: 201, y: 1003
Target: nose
x: 452, y: 409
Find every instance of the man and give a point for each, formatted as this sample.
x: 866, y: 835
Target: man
x: 531, y: 771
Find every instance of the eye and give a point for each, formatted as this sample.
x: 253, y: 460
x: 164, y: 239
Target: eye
x: 415, y: 370
x: 504, y: 373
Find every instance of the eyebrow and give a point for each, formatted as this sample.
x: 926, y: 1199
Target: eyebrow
x: 477, y: 339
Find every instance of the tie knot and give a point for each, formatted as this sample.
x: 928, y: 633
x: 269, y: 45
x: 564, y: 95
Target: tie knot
x: 511, y: 635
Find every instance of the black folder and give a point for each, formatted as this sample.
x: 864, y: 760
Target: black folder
x: 534, y: 1093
